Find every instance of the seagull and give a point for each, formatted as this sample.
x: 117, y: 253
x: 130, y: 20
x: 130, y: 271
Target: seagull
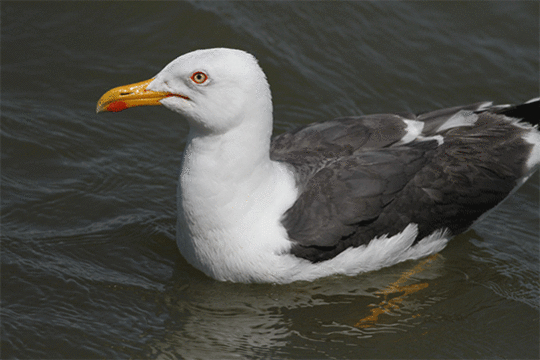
x: 343, y: 196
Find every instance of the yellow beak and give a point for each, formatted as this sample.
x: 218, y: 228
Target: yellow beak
x: 123, y: 97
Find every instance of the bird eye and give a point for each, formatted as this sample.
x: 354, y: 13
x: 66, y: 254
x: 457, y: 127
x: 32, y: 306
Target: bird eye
x: 199, y: 77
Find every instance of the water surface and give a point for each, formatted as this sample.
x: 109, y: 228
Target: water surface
x: 89, y: 264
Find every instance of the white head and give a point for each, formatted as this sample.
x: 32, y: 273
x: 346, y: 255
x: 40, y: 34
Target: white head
x: 215, y: 89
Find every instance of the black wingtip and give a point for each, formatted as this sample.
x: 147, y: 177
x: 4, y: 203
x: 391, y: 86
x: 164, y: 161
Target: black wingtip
x: 528, y: 112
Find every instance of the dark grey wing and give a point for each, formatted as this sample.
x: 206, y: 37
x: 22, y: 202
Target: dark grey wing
x: 312, y: 147
x: 352, y: 192
x: 457, y: 169
x: 341, y: 136
x: 381, y: 192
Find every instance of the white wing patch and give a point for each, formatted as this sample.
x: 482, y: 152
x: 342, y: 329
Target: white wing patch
x: 414, y: 129
x: 439, y: 138
x: 485, y: 106
x: 461, y: 118
x: 533, y: 138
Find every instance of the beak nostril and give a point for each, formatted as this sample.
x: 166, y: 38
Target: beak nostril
x: 125, y: 93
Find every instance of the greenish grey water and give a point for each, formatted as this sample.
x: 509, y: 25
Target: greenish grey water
x: 89, y: 264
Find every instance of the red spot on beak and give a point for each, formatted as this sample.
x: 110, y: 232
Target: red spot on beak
x: 117, y: 106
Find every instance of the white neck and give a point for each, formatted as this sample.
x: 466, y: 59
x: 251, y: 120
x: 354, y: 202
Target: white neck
x: 231, y: 197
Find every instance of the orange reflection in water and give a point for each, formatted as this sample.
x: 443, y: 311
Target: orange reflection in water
x: 386, y: 306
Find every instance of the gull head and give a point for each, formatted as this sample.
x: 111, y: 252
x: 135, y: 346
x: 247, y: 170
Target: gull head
x: 214, y: 89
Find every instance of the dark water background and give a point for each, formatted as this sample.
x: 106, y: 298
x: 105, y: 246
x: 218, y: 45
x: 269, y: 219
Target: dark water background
x: 90, y: 268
